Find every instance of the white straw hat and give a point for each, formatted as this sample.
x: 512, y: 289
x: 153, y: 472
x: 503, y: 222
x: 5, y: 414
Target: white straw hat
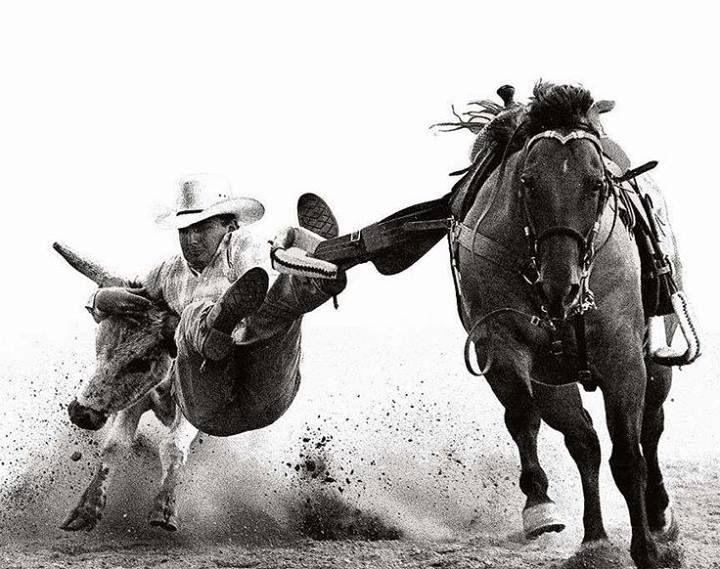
x: 202, y: 196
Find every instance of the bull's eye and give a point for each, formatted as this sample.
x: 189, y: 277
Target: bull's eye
x: 138, y: 366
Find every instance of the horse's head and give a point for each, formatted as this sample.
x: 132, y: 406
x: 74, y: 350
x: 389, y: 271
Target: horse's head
x: 563, y: 188
x: 133, y: 353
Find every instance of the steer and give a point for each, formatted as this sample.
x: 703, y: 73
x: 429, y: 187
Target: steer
x: 134, y: 356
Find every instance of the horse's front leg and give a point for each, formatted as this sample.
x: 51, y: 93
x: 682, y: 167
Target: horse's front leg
x: 173, y: 455
x: 562, y: 409
x: 117, y: 446
x: 509, y: 380
x: 624, y: 401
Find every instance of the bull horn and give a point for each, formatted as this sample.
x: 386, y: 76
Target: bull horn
x: 90, y: 269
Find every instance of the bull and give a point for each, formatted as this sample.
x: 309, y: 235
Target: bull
x: 134, y: 356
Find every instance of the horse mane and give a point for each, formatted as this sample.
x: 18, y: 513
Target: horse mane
x: 556, y: 107
x: 551, y: 107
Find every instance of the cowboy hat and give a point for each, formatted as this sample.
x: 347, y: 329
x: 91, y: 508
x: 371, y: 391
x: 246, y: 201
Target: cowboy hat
x: 202, y: 196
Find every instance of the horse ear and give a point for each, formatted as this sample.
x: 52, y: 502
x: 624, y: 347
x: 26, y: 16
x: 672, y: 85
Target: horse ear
x: 597, y: 108
x: 603, y: 106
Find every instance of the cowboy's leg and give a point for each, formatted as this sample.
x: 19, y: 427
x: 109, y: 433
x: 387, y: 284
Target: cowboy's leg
x: 201, y: 385
x: 288, y: 299
x: 250, y: 388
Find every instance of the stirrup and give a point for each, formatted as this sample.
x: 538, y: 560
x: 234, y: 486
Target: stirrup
x: 666, y: 355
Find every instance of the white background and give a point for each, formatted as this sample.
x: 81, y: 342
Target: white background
x: 104, y: 106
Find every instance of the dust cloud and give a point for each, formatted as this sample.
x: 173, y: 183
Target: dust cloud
x: 391, y: 439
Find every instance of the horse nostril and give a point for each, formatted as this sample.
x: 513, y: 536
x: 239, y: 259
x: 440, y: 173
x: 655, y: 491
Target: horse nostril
x: 559, y: 298
x: 85, y: 417
x: 571, y: 293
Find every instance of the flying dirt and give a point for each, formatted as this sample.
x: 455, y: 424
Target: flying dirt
x: 401, y: 462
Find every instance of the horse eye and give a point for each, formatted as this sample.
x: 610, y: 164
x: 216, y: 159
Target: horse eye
x: 598, y: 185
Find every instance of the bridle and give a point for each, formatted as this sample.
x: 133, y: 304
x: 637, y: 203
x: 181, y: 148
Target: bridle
x: 587, y: 242
x: 585, y: 299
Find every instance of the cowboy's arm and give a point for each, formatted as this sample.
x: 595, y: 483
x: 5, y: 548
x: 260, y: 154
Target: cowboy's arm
x: 246, y: 250
x: 126, y: 300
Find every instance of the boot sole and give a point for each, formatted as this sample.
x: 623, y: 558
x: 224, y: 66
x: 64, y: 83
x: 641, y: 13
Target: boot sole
x: 243, y: 298
x: 316, y: 216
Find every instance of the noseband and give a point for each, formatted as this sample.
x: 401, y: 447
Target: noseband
x: 585, y: 242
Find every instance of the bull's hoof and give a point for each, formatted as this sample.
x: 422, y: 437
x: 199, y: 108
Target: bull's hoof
x: 164, y: 520
x: 89, y: 510
x: 540, y: 519
x: 163, y: 512
x: 81, y: 518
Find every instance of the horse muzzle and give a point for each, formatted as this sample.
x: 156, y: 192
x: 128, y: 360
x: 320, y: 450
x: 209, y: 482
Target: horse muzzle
x: 559, y: 299
x: 86, y: 417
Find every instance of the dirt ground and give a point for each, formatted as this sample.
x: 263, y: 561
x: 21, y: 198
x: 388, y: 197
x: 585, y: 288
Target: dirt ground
x: 418, y: 472
x: 695, y: 502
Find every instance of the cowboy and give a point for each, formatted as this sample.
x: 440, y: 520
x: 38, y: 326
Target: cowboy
x: 236, y: 312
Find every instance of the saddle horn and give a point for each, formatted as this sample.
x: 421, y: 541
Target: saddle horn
x: 90, y: 269
x: 507, y: 94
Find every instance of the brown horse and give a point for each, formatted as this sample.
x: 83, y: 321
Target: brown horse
x: 549, y: 287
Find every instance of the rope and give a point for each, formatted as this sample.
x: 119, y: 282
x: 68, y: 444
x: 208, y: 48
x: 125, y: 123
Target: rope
x: 473, y: 335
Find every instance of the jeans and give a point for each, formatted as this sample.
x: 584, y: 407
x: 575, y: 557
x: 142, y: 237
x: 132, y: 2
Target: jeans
x: 256, y: 383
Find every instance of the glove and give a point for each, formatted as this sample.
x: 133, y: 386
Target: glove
x: 289, y: 254
x: 121, y: 300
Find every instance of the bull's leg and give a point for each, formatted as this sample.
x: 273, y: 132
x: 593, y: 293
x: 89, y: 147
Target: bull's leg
x: 522, y: 419
x: 173, y: 455
x: 562, y: 409
x: 659, y: 512
x: 117, y: 446
x: 624, y: 402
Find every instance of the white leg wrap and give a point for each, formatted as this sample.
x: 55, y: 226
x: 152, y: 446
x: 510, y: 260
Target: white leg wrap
x: 541, y: 518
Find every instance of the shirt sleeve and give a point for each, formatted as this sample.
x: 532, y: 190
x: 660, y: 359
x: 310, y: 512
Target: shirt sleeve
x: 153, y: 282
x: 246, y: 250
x: 97, y: 315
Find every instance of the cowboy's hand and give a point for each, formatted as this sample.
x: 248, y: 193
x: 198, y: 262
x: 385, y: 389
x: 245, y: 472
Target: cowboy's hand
x: 298, y: 237
x: 291, y: 253
x: 121, y: 300
x: 283, y: 239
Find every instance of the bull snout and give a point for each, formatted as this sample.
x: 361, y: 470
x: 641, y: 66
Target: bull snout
x: 85, y: 417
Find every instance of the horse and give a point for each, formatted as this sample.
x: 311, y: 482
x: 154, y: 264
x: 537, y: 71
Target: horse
x: 549, y: 290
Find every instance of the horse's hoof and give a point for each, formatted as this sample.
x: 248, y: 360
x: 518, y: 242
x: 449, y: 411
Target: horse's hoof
x: 540, y: 519
x: 671, y: 530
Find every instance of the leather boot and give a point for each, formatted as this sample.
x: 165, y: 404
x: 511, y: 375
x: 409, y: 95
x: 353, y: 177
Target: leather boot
x: 242, y: 299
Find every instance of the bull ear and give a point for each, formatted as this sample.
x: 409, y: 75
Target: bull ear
x: 170, y: 322
x: 90, y: 269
